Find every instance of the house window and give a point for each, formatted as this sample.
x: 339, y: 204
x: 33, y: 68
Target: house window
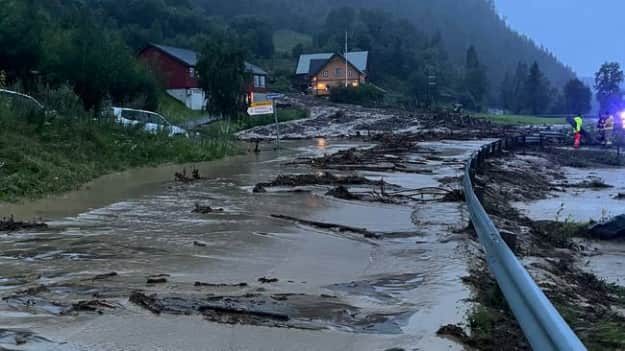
x: 263, y: 82
x: 260, y: 81
x: 325, y: 74
x: 191, y: 72
x: 256, y: 81
x: 349, y: 73
x: 339, y: 72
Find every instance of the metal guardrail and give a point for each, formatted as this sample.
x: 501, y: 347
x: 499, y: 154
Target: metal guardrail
x: 22, y: 96
x: 541, y: 323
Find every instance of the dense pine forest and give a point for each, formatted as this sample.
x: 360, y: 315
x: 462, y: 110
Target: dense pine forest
x: 463, y: 45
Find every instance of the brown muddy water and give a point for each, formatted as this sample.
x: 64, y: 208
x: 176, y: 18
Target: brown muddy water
x: 341, y: 291
x: 606, y: 259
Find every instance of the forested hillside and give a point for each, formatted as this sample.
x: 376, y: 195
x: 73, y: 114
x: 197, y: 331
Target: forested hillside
x: 460, y: 23
x: 463, y: 44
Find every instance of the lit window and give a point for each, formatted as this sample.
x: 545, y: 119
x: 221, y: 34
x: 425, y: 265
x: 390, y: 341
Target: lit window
x: 325, y: 74
x: 191, y: 72
x: 257, y: 81
x: 263, y: 82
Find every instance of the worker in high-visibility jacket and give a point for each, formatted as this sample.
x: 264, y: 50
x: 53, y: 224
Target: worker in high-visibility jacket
x: 578, y: 123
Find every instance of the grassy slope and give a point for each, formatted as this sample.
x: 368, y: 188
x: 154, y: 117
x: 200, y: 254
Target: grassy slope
x: 39, y: 157
x: 175, y: 111
x: 285, y: 40
x: 522, y: 119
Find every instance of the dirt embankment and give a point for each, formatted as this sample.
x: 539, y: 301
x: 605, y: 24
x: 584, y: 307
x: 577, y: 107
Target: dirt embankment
x: 593, y: 308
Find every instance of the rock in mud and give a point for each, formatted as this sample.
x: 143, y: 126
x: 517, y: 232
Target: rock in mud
x: 266, y: 280
x: 610, y: 230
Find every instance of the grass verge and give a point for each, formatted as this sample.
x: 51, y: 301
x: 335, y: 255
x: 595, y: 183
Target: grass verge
x: 39, y: 156
x: 175, y: 111
x: 522, y: 119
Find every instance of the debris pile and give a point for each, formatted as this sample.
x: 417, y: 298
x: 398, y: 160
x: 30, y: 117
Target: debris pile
x: 184, y: 178
x: 11, y: 225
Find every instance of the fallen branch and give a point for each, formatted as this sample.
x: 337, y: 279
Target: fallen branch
x: 341, y: 228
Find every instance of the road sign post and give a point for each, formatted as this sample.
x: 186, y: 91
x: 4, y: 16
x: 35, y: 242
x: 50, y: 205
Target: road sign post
x: 267, y: 107
x: 273, y: 98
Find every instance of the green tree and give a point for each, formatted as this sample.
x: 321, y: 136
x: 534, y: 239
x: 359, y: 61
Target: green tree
x: 537, y: 91
x: 506, y: 97
x: 21, y: 28
x: 98, y: 65
x: 222, y: 74
x: 577, y: 97
x: 475, y: 80
x: 255, y: 34
x: 517, y: 88
x: 608, y: 82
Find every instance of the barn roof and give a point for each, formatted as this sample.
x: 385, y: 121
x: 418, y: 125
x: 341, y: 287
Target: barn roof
x: 308, y: 62
x: 190, y: 58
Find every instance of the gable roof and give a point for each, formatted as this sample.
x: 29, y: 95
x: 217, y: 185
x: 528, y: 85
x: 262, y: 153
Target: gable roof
x: 358, y: 59
x: 190, y: 58
x: 317, y: 65
x: 250, y: 68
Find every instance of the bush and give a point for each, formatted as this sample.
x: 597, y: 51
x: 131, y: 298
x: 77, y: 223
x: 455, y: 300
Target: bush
x: 365, y: 95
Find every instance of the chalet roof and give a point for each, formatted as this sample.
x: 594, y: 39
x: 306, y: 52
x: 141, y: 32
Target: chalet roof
x: 357, y: 58
x: 190, y: 58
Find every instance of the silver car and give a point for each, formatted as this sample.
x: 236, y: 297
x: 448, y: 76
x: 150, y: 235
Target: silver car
x: 152, y: 122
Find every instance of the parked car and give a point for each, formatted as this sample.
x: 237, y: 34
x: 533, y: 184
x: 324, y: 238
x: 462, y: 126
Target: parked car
x: 152, y: 122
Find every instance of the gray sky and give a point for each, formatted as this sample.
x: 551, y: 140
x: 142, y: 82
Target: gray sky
x: 581, y: 33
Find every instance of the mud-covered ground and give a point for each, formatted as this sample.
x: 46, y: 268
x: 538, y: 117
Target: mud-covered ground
x: 324, y: 245
x: 541, y: 205
x: 340, y: 121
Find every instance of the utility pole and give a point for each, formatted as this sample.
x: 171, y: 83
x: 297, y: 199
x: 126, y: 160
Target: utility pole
x: 346, y: 66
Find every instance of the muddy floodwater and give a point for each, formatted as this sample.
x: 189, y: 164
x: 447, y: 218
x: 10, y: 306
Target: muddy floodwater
x: 606, y: 259
x: 341, y: 291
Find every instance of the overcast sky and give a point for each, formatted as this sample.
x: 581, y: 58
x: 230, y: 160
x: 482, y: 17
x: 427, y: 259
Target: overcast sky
x: 581, y: 33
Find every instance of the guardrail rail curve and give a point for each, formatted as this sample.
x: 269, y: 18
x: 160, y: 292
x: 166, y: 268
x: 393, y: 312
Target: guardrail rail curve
x: 543, y: 326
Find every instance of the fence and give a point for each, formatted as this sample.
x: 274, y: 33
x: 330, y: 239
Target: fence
x: 541, y: 323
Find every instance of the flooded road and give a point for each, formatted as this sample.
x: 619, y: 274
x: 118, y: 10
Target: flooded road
x: 341, y: 291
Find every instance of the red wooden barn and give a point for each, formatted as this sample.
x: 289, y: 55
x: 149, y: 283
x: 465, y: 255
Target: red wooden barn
x: 176, y: 68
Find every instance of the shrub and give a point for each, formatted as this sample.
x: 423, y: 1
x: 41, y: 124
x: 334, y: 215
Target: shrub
x: 366, y: 95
